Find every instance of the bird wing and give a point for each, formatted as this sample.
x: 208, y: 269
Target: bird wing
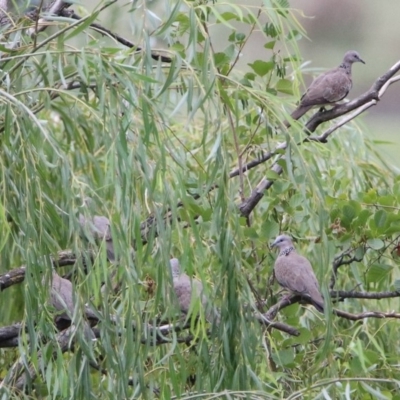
x: 98, y: 227
x: 295, y: 273
x: 102, y: 227
x: 186, y: 289
x: 183, y: 290
x: 330, y: 87
x: 61, y: 296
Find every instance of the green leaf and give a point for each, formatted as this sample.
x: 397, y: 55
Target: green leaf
x: 396, y: 285
x: 349, y: 213
x: 355, y: 365
x: 270, y: 45
x: 330, y: 201
x: 269, y: 229
x: 377, y: 272
x: 221, y: 59
x: 304, y: 338
x: 251, y: 233
x: 296, y: 200
x: 5, y: 227
x: 179, y: 48
x: 370, y: 197
x: 380, y: 218
x: 294, y: 35
x: 359, y: 253
x: 362, y: 218
x: 334, y: 214
x: 356, y: 205
x: 284, y: 3
x: 375, y: 393
x: 387, y: 200
x: 284, y: 358
x: 261, y: 68
x: 376, y: 244
x: 240, y: 37
x: 250, y: 76
x: 284, y: 86
x: 272, y: 175
x: 81, y: 27
x: 270, y: 30
x: 220, y: 17
x: 227, y: 16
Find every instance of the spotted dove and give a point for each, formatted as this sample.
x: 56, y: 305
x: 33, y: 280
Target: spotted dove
x: 328, y: 88
x: 61, y: 297
x: 185, y: 288
x: 294, y: 272
x: 98, y: 228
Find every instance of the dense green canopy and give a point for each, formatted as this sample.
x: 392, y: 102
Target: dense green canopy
x: 186, y: 153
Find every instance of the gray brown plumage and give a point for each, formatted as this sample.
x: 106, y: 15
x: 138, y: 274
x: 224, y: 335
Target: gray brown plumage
x: 185, y: 288
x: 294, y: 272
x: 61, y: 298
x: 328, y: 88
x: 98, y: 228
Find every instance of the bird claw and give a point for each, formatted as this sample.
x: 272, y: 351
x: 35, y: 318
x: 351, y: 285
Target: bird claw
x: 286, y: 297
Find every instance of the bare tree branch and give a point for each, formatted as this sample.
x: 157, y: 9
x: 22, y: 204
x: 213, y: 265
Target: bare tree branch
x: 258, y: 193
x: 286, y: 301
x: 280, y: 326
x: 118, y: 38
x: 341, y: 294
x: 55, y: 7
x: 262, y: 159
x: 366, y: 314
x: 338, y: 262
x: 9, y: 332
x: 152, y: 335
x: 17, y: 275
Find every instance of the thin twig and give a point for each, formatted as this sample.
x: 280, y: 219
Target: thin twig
x: 339, y: 261
x: 106, y: 32
x: 341, y: 294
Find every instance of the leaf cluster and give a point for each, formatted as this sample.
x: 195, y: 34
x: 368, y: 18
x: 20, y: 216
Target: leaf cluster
x: 153, y: 143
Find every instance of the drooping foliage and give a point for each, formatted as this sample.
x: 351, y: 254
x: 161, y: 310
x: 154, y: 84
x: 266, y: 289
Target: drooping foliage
x: 153, y: 141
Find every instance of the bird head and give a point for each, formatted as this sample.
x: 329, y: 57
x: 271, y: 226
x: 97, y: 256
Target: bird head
x: 282, y: 242
x: 352, y: 57
x: 175, y: 267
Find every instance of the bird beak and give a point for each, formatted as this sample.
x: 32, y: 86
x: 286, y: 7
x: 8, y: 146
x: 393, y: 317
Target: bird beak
x: 273, y: 244
x: 361, y: 60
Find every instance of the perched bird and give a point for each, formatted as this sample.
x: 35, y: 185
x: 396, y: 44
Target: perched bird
x: 294, y: 272
x: 328, y: 88
x: 98, y: 228
x: 185, y: 288
x: 61, y: 298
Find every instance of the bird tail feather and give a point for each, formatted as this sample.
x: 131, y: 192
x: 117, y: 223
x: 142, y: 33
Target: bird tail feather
x: 297, y: 113
x: 318, y: 306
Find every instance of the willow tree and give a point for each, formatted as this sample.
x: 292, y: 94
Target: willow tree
x: 187, y: 154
